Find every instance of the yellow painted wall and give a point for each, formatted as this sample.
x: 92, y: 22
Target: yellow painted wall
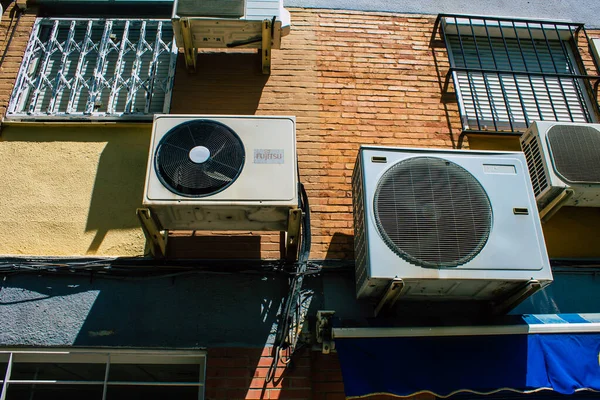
x: 72, y: 190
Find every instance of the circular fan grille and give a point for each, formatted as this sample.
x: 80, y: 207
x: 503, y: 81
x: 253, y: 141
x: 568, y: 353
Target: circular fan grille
x: 432, y: 212
x: 199, y: 158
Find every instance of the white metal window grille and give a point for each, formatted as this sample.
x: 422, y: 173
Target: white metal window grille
x: 101, y: 374
x: 114, y: 68
x: 509, y: 73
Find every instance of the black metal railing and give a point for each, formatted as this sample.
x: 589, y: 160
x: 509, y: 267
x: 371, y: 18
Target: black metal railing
x: 508, y: 73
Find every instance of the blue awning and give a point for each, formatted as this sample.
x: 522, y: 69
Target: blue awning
x: 543, y: 352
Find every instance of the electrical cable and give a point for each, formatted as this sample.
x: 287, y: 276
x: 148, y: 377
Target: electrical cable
x: 287, y: 334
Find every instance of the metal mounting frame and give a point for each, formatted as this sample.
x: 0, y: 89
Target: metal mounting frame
x: 391, y: 295
x: 152, y: 231
x: 324, y: 330
x: 514, y: 299
x: 292, y: 235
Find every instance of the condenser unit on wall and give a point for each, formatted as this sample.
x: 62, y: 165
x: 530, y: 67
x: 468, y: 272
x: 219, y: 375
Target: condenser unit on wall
x: 219, y: 24
x: 446, y: 225
x: 564, y: 162
x: 222, y: 172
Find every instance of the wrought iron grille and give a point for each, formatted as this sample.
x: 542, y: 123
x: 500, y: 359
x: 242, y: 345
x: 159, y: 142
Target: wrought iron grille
x: 508, y: 73
x: 104, y: 68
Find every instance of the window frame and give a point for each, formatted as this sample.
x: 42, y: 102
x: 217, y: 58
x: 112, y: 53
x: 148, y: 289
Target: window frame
x: 105, y: 356
x: 22, y: 103
x: 479, y: 27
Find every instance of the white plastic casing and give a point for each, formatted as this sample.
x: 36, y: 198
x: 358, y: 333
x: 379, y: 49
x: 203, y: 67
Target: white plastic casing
x: 514, y: 253
x: 261, y: 196
x: 544, y: 176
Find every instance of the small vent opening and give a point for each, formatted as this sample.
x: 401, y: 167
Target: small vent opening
x: 432, y: 212
x: 199, y: 158
x: 575, y: 152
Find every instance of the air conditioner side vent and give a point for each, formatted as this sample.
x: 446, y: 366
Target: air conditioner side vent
x: 360, y: 239
x: 535, y: 164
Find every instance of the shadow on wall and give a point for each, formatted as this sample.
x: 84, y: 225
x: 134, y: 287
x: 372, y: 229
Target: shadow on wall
x: 233, y: 315
x: 179, y: 311
x: 341, y: 247
x: 62, y: 184
x: 119, y: 185
x: 224, y: 83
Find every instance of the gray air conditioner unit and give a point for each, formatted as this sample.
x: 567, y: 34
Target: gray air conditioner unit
x: 446, y: 224
x: 222, y: 172
x: 564, y: 157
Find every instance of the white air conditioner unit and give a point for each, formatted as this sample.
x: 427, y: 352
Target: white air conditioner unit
x: 211, y: 8
x: 228, y: 23
x: 446, y: 224
x: 564, y: 156
x: 222, y: 172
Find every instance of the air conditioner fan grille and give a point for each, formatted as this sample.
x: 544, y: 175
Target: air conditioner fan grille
x: 575, y: 152
x: 199, y: 158
x: 432, y: 212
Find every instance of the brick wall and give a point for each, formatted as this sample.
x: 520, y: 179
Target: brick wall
x: 240, y: 373
x: 15, y: 28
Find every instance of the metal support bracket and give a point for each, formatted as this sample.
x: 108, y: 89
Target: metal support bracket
x: 267, y: 42
x: 324, y: 330
x: 157, y: 240
x: 556, y: 204
x: 514, y: 299
x: 293, y: 234
x: 391, y: 295
x: 190, y: 52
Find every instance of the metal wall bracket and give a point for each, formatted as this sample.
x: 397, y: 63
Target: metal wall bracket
x: 514, y: 299
x: 556, y: 204
x: 293, y: 234
x: 324, y: 330
x: 189, y: 50
x: 157, y: 240
x: 267, y: 43
x: 391, y: 295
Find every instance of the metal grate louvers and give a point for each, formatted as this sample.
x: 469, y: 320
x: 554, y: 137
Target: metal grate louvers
x: 535, y: 164
x: 432, y: 212
x: 575, y: 151
x: 199, y: 158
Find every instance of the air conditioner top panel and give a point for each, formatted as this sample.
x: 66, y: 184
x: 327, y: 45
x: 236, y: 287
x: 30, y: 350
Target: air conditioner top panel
x: 438, y: 151
x: 251, y: 10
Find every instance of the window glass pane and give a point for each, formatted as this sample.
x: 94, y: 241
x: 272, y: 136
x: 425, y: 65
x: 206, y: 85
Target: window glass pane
x: 154, y: 373
x: 58, y: 371
x: 53, y: 392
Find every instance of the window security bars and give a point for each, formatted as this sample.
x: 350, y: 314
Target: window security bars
x: 508, y: 73
x: 102, y: 374
x: 75, y: 68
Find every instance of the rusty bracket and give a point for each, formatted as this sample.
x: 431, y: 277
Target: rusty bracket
x: 293, y: 234
x: 267, y: 42
x: 157, y: 240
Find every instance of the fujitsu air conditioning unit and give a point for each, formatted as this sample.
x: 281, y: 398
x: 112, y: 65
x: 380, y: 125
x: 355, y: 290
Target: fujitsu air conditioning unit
x: 222, y: 172
x: 446, y: 224
x: 564, y: 158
